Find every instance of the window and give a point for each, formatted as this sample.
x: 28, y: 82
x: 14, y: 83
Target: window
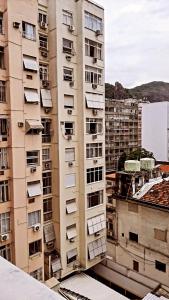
x: 94, y: 199
x: 28, y: 31
x: 4, y: 223
x: 43, y: 42
x: 94, y: 126
x: 35, y: 247
x: 42, y: 17
x: 110, y: 229
x: 34, y: 189
x: 34, y: 218
x: 92, y: 22
x: 47, y: 183
x: 94, y: 174
x: 4, y: 191
x: 32, y: 158
x: 5, y: 252
x: 67, y: 18
x: 69, y: 154
x: 30, y: 63
x: 46, y: 132
x: 96, y: 224
x: 94, y: 101
x: 37, y: 274
x: 49, y: 233
x: 31, y: 95
x: 135, y: 265
x: 93, y: 75
x: 133, y: 207
x: 69, y: 128
x: 47, y: 209
x: 68, y: 101
x: 2, y: 92
x: 46, y: 99
x: 71, y: 206
x: 94, y: 150
x: 67, y: 46
x: 71, y: 256
x: 1, y: 22
x: 93, y: 49
x: 46, y: 160
x: 43, y: 72
x: 67, y: 74
x: 160, y: 235
x: 3, y: 158
x: 71, y: 232
x: 160, y: 266
x: 96, y: 248
x: 2, y: 58
x: 70, y: 180
x: 133, y: 237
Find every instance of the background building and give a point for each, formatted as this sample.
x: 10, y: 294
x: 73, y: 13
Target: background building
x: 123, y: 129
x: 155, y: 124
x: 52, y: 188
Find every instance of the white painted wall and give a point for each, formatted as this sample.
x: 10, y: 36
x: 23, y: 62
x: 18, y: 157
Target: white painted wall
x: 155, y: 119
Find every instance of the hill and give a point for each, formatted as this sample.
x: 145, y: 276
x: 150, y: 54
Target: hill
x: 153, y: 91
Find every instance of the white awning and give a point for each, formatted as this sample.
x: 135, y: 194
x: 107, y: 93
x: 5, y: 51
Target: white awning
x: 96, y: 224
x: 31, y: 95
x: 97, y: 247
x: 95, y: 101
x: 71, y: 232
x: 46, y: 98
x: 71, y: 207
x: 49, y: 233
x: 34, y: 189
x: 56, y: 265
x: 30, y: 63
x: 72, y: 253
x: 33, y: 124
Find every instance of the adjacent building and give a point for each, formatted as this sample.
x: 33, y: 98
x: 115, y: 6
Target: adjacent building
x: 123, y: 129
x: 155, y: 124
x: 52, y: 187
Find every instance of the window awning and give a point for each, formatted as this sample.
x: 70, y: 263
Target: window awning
x: 49, y: 233
x: 71, y: 232
x: 56, y: 265
x: 97, y: 247
x: 46, y: 98
x: 30, y: 63
x: 34, y: 189
x: 96, y: 224
x: 72, y: 253
x: 71, y: 207
x: 31, y: 95
x: 94, y: 101
x: 33, y: 124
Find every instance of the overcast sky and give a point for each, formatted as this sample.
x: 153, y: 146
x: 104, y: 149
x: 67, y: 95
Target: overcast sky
x: 136, y: 41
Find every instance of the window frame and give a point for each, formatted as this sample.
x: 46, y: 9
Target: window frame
x: 34, y: 217
x: 2, y: 91
x: 93, y: 75
x: 35, y: 157
x: 94, y: 174
x: 5, y: 222
x: 37, y: 247
x: 25, y: 34
x: 69, y: 76
x: 4, y: 191
x: 67, y: 17
x: 99, y: 194
x: 93, y: 22
x: 47, y: 209
x: 94, y: 150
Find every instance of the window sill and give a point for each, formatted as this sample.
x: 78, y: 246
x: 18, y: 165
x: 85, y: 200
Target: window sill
x: 38, y: 254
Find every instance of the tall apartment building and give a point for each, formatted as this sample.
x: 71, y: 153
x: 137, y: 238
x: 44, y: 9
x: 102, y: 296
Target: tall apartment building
x: 52, y: 187
x: 123, y: 129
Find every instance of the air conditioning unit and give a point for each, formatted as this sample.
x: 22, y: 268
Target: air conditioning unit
x: 72, y: 240
x: 69, y: 111
x: 16, y: 25
x: 94, y: 60
x: 47, y: 110
x: 68, y: 57
x: 94, y: 111
x: 71, y: 28
x: 20, y: 124
x: 94, y: 136
x: 44, y: 53
x: 69, y: 137
x: 71, y: 83
x: 70, y: 164
x: 97, y: 233
x: 36, y: 227
x: 95, y: 161
x: 43, y: 25
x: 45, y: 83
x: 98, y: 32
x: 4, y: 237
x: 47, y: 166
x: 2, y: 172
x: 33, y: 169
x: 94, y: 86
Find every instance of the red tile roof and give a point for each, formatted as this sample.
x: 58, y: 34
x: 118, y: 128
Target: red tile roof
x: 164, y: 168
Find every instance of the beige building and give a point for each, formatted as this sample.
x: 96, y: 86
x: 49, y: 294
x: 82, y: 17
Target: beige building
x: 52, y: 187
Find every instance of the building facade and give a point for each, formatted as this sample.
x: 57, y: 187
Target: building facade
x: 123, y: 129
x: 52, y: 187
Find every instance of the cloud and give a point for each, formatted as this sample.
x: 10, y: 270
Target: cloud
x: 136, y: 40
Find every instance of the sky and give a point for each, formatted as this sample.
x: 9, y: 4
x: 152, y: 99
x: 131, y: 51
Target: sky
x: 136, y: 41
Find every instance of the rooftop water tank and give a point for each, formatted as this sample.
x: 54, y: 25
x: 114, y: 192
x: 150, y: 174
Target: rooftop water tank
x: 147, y: 163
x: 132, y: 166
